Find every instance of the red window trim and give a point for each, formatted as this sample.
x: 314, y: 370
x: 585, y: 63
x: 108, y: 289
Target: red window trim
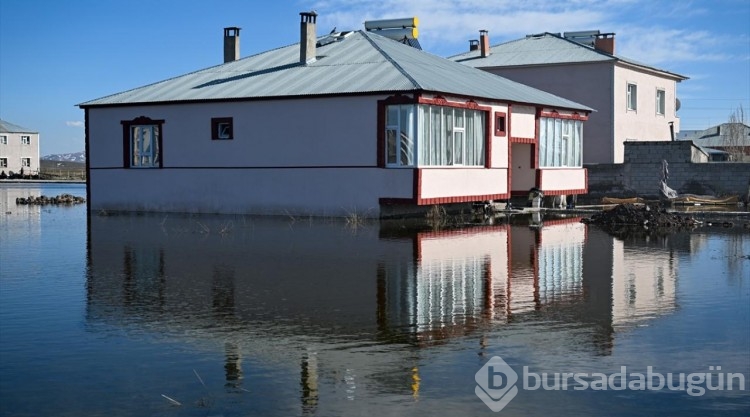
x: 555, y: 115
x: 501, y: 131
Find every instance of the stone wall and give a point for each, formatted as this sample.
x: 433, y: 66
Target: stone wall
x: 641, y: 172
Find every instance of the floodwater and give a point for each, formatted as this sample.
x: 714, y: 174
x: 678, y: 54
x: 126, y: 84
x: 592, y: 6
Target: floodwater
x: 169, y: 315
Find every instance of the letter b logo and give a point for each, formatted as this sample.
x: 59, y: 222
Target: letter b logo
x: 496, y: 383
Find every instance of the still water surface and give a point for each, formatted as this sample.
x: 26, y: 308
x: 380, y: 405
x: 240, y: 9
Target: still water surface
x: 234, y: 315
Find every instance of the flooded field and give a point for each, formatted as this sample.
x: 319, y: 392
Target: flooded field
x: 178, y: 315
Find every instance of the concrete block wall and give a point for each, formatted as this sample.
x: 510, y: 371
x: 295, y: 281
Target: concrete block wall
x: 641, y: 172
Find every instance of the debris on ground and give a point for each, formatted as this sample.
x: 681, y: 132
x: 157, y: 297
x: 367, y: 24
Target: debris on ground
x: 44, y: 200
x: 645, y: 216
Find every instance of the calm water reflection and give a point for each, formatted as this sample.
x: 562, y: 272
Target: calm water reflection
x: 246, y: 316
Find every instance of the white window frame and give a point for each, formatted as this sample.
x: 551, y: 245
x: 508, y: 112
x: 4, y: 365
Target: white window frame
x: 400, y: 136
x: 661, y: 101
x: 451, y: 136
x: 3, y: 140
x: 148, y: 158
x: 26, y: 140
x: 3, y: 162
x: 427, y: 135
x: 26, y: 162
x: 632, y: 97
x: 560, y: 143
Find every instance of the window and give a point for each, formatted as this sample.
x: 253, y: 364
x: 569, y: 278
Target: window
x: 3, y: 140
x: 142, y: 140
x: 222, y: 128
x: 632, y: 97
x: 25, y: 162
x: 428, y: 135
x: 3, y: 162
x: 26, y: 140
x: 660, y: 101
x: 399, y: 135
x: 560, y: 142
x: 500, y: 123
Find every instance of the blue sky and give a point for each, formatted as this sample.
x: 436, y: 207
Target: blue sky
x: 56, y: 54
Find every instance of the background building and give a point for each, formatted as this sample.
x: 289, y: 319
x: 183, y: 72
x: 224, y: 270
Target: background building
x: 633, y: 101
x: 19, y: 149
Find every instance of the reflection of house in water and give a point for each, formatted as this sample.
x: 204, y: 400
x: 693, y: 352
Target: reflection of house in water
x: 31, y: 226
x: 448, y: 287
x: 276, y: 290
x: 643, y: 285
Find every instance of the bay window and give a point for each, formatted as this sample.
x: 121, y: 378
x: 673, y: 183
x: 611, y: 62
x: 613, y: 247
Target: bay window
x: 428, y: 135
x: 560, y: 142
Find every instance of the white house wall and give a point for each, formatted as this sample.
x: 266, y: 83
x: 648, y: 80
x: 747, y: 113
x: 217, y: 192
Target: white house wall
x: 589, y: 84
x: 437, y: 183
x: 499, y: 155
x: 523, y: 122
x: 643, y: 124
x: 317, y: 191
x: 286, y: 157
x: 282, y: 133
x: 559, y: 179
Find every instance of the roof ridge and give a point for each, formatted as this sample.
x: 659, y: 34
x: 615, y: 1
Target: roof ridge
x: 388, y: 58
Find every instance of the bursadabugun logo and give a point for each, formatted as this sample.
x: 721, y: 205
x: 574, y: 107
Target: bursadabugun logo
x: 496, y: 383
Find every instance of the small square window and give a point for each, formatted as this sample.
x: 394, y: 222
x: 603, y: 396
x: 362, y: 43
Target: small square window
x: 3, y: 162
x: 26, y: 140
x: 500, y: 123
x: 26, y: 162
x: 222, y: 128
x: 3, y: 140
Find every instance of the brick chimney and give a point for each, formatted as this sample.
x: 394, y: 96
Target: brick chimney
x: 484, y: 43
x: 308, y: 37
x: 473, y: 44
x: 605, y: 42
x: 231, y: 44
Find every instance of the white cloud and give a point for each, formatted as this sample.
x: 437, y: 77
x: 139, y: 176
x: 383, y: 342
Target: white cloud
x: 446, y: 25
x: 664, y: 45
x: 74, y: 124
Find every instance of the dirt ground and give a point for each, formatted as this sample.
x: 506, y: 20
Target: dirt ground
x: 639, y: 219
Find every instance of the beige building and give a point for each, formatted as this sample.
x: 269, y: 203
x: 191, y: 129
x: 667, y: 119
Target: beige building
x: 633, y: 101
x: 19, y: 149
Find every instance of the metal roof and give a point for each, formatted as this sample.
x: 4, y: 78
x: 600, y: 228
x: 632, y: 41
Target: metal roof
x: 725, y: 134
x: 356, y: 63
x: 7, y: 127
x: 545, y: 49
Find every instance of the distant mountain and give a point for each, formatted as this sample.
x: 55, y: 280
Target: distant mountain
x: 67, y: 157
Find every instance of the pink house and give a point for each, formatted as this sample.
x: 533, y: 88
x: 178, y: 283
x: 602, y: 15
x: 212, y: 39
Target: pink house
x: 350, y: 122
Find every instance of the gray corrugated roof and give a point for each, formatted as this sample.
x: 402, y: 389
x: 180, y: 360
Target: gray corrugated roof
x: 544, y: 49
x: 725, y: 134
x: 7, y: 127
x: 361, y: 62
